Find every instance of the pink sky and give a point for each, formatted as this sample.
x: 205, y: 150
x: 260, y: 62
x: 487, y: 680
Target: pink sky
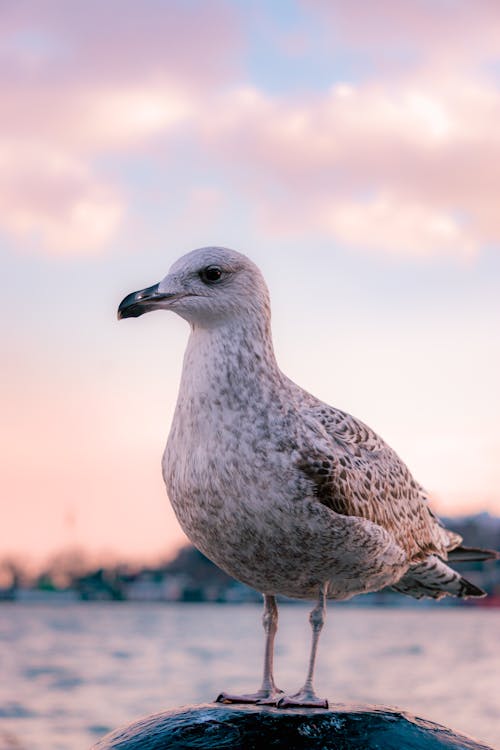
x: 352, y: 150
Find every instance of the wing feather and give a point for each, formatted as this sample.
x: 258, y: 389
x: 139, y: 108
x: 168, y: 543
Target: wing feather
x: 356, y: 473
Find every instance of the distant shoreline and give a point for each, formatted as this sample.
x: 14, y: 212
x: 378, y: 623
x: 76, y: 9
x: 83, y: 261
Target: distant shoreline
x: 191, y: 578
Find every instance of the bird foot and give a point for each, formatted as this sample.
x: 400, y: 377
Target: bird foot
x: 261, y: 697
x: 302, y: 699
x: 272, y: 698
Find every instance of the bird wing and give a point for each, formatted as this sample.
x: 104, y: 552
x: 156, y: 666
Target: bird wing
x: 433, y: 579
x: 355, y: 473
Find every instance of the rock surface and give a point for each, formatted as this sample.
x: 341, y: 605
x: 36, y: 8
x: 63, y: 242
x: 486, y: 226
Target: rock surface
x: 241, y: 727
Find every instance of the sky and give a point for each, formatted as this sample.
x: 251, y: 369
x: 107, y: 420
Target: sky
x: 352, y: 150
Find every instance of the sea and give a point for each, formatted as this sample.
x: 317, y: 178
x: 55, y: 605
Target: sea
x: 72, y: 672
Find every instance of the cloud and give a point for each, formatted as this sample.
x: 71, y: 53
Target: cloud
x: 51, y: 194
x: 419, y: 32
x: 390, y: 225
x: 404, y: 160
x: 87, y: 81
x: 53, y: 200
x: 88, y: 41
x: 407, y: 166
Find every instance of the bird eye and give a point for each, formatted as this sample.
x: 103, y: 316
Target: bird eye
x: 210, y: 274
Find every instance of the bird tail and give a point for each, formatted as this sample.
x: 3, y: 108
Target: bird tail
x: 472, y: 554
x: 433, y: 579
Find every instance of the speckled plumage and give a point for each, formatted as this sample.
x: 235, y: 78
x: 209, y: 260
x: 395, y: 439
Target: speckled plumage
x: 282, y: 491
x: 279, y: 489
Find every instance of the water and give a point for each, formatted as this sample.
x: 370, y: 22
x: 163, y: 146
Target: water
x: 71, y: 673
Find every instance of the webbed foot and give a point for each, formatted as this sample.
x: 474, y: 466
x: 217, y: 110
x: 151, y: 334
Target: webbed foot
x: 304, y: 699
x: 261, y: 697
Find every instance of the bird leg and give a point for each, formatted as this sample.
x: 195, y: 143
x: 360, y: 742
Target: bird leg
x: 306, y: 696
x: 268, y: 694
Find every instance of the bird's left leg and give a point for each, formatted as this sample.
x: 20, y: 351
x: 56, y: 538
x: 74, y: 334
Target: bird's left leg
x: 306, y: 695
x: 268, y: 694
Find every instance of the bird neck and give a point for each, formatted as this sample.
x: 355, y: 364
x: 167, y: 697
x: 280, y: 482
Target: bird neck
x: 234, y: 361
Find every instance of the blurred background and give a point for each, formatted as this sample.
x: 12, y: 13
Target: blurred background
x: 353, y: 151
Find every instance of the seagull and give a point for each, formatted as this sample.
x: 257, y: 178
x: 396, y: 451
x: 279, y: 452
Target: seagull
x: 282, y: 491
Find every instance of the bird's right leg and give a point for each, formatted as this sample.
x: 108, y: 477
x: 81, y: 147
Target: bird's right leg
x: 268, y: 694
x: 306, y: 696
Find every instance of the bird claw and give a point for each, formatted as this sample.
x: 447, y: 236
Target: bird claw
x: 302, y: 699
x: 261, y: 698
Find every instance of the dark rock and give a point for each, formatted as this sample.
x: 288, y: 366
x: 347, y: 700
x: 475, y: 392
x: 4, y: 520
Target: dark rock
x: 242, y: 727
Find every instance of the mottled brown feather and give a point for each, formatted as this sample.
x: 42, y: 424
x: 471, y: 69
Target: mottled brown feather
x: 362, y: 476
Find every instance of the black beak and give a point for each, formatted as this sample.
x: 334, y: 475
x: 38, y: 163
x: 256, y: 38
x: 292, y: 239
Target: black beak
x: 141, y: 302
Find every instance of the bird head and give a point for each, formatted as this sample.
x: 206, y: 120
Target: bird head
x: 207, y: 287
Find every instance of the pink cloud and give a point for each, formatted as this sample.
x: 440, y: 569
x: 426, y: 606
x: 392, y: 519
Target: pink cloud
x: 54, y: 200
x: 118, y: 42
x: 395, y: 163
x: 398, y: 166
x: 391, y: 225
x: 84, y: 80
x: 439, y: 32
